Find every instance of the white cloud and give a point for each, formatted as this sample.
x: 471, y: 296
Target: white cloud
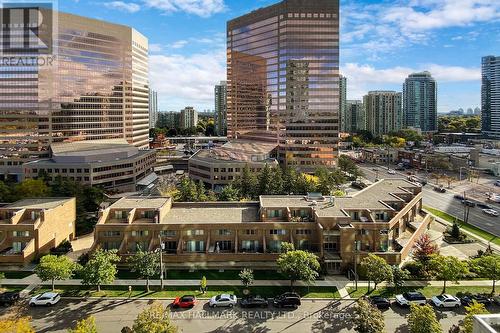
x: 203, y: 8
x: 178, y: 44
x: 129, y: 7
x: 155, y: 48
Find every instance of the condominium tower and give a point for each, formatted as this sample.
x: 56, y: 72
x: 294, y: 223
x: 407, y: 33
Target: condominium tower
x: 283, y: 80
x: 383, y: 112
x: 96, y: 88
x: 490, y: 97
x: 345, y: 119
x: 153, y: 108
x: 188, y: 117
x: 355, y: 116
x: 220, y: 93
x: 420, y: 102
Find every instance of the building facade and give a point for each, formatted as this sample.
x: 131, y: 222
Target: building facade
x: 420, y: 102
x: 188, y: 118
x: 383, y: 112
x: 356, y: 116
x: 345, y: 119
x: 96, y: 88
x: 490, y: 97
x: 220, y: 93
x: 169, y: 119
x: 283, y: 80
x: 29, y: 228
x: 153, y: 108
x: 385, y: 219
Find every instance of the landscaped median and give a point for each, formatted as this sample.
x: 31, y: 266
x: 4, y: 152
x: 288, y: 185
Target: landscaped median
x: 428, y: 291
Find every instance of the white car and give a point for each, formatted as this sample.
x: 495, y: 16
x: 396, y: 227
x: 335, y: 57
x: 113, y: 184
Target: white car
x: 490, y: 212
x: 45, y: 299
x: 446, y: 301
x: 223, y: 300
x: 412, y: 297
x: 391, y: 172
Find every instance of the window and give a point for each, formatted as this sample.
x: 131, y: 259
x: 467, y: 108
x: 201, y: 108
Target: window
x: 274, y: 213
x: 216, y: 169
x: 274, y: 246
x: 364, y: 232
x: 111, y: 245
x: 224, y: 232
x: 250, y: 232
x: 197, y: 232
x: 121, y: 214
x: 138, y: 246
x: 111, y: 233
x: 168, y: 233
x: 20, y: 233
x: 148, y: 214
x: 170, y: 246
x: 223, y: 245
x: 195, y: 246
x: 249, y: 246
x: 140, y: 233
x: 18, y: 247
x: 277, y: 232
x: 303, y: 231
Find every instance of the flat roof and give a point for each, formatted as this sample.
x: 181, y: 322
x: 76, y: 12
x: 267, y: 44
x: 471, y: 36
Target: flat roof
x: 37, y: 203
x: 212, y: 213
x: 89, y: 145
x: 140, y: 202
x: 238, y: 151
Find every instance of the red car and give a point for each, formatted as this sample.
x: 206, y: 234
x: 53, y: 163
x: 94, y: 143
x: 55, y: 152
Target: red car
x: 186, y: 301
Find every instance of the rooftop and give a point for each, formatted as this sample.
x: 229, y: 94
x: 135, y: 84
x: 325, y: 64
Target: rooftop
x: 140, y: 202
x: 81, y: 146
x: 191, y: 213
x: 238, y: 150
x: 37, y: 203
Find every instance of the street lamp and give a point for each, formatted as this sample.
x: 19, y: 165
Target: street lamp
x: 161, y: 248
x: 356, y: 264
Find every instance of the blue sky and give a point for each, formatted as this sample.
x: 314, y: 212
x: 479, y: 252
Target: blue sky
x: 381, y: 43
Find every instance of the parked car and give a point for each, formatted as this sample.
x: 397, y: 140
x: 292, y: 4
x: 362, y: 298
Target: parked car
x: 223, y: 300
x: 446, y: 301
x: 391, y: 172
x: 483, y: 205
x: 468, y: 203
x: 254, y: 302
x: 496, y: 300
x: 286, y: 300
x: 9, y: 298
x: 497, y: 183
x: 380, y: 302
x: 467, y: 299
x: 359, y: 185
x: 490, y: 212
x: 412, y: 297
x: 439, y: 189
x: 186, y: 301
x: 458, y: 197
x: 47, y: 299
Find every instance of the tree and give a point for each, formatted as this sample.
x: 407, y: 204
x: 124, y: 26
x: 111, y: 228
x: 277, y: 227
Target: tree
x: 229, y: 193
x: 16, y: 325
x: 448, y: 268
x: 472, y: 310
x: 31, y: 188
x: 368, y: 319
x: 246, y: 277
x: 298, y: 265
x: 203, y: 284
x: 289, y: 180
x: 264, y: 180
x: 5, y: 192
x: 399, y: 276
x: 100, y: 269
x: 86, y: 325
x: 52, y: 268
x: 377, y: 269
x: 201, y: 195
x: 247, y: 183
x: 154, y: 319
x: 424, y: 248
x: 422, y: 319
x: 147, y: 264
x: 277, y: 184
x: 488, y: 266
x: 2, y: 276
x: 188, y: 191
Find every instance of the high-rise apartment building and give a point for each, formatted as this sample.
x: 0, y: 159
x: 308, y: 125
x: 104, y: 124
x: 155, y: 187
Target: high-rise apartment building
x: 169, y: 119
x: 283, y: 80
x: 220, y: 93
x: 153, y: 108
x: 356, y: 114
x: 345, y: 119
x: 490, y: 97
x: 188, y: 118
x: 96, y: 88
x: 420, y: 102
x: 383, y: 112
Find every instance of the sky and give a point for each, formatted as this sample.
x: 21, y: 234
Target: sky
x: 381, y: 43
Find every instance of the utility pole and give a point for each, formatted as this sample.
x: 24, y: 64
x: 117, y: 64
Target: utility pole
x: 161, y: 262
x: 356, y: 265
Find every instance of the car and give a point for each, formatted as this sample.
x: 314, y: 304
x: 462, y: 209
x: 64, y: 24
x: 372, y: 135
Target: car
x: 496, y: 300
x: 223, y: 300
x: 47, y: 299
x: 458, y: 197
x: 391, y: 172
x: 359, y: 185
x: 374, y: 169
x: 380, y: 302
x: 254, y: 302
x: 469, y: 298
x: 490, y: 212
x: 186, y: 301
x: 412, y: 297
x: 287, y: 300
x: 439, y: 189
x: 446, y: 301
x: 483, y: 205
x: 497, y: 183
x: 468, y: 203
x: 9, y: 298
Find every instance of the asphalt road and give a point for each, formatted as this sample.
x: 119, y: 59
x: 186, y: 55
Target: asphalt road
x: 312, y: 316
x: 444, y: 202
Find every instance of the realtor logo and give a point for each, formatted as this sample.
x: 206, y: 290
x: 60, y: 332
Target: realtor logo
x: 26, y: 27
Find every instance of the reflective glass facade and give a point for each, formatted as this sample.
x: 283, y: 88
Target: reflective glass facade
x: 96, y: 88
x: 283, y: 80
x: 420, y: 102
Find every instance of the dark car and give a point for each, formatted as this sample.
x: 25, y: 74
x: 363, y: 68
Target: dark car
x: 287, y: 300
x: 468, y: 203
x: 468, y: 299
x: 484, y: 206
x: 380, y: 302
x: 439, y: 189
x: 186, y: 301
x: 9, y: 298
x: 254, y: 302
x: 359, y: 185
x: 458, y: 197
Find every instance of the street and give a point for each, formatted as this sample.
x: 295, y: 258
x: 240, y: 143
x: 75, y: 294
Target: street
x: 312, y: 316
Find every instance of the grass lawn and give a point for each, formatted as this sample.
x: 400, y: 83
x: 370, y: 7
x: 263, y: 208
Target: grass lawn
x: 16, y: 274
x: 210, y: 274
x: 427, y: 291
x: 468, y: 227
x: 171, y: 291
x: 11, y: 288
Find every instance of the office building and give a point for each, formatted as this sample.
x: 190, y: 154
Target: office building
x: 490, y: 97
x: 383, y: 112
x: 29, y: 228
x: 283, y: 80
x: 153, y: 108
x: 384, y: 219
x: 420, y: 102
x: 188, y: 118
x: 95, y: 88
x: 355, y: 116
x: 169, y: 119
x: 345, y: 119
x: 220, y: 93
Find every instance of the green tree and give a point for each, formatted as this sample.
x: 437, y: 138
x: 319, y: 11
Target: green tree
x: 289, y: 180
x: 31, y: 188
x: 203, y: 284
x: 368, y: 319
x: 448, y: 268
x: 146, y: 264
x: 422, y: 319
x: 2, y: 276
x: 377, y: 269
x: 264, y: 179
x: 229, y: 193
x: 399, y: 276
x: 299, y: 265
x: 188, y: 191
x: 472, y: 310
x: 246, y: 277
x: 201, y: 192
x: 100, y: 269
x: 488, y: 266
x: 86, y: 325
x: 5, y: 192
x: 52, y: 268
x: 247, y: 183
x: 154, y: 319
x: 304, y: 184
x: 277, y: 183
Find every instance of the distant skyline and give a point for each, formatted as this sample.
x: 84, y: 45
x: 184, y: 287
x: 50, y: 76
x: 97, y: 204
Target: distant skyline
x: 381, y: 43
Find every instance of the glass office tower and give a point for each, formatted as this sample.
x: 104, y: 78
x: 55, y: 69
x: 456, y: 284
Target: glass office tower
x: 420, y: 102
x: 490, y: 97
x: 283, y: 80
x: 96, y: 88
